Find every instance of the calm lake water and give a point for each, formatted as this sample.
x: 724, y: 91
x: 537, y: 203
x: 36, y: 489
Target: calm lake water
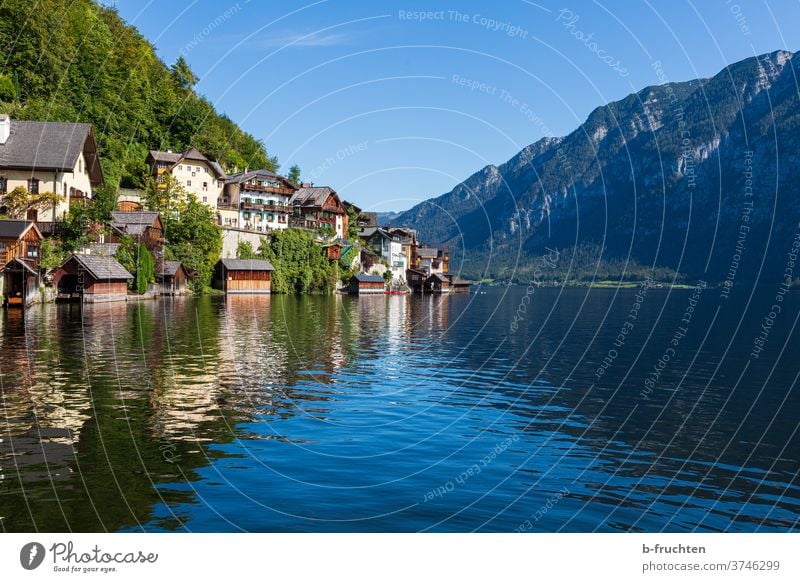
x: 503, y: 410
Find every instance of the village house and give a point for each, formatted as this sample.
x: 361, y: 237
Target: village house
x: 363, y: 284
x: 91, y: 279
x: 415, y: 279
x: 316, y: 207
x: 143, y: 226
x: 243, y: 276
x: 44, y: 156
x: 408, y: 242
x: 437, y: 283
x: 173, y: 278
x: 256, y: 200
x: 198, y: 174
x: 390, y: 248
x: 20, y: 244
x: 432, y: 260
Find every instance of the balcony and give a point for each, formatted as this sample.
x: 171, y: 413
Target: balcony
x: 265, y: 207
x: 268, y: 189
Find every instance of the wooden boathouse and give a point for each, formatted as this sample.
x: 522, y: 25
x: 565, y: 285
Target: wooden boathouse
x: 243, y: 276
x: 91, y: 279
x: 363, y: 284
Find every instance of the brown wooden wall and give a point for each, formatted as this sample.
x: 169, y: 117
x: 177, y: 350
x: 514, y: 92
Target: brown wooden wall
x: 104, y: 287
x: 248, y: 285
x: 18, y: 248
x: 247, y: 276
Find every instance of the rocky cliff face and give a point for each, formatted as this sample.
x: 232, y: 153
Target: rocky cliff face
x: 675, y: 175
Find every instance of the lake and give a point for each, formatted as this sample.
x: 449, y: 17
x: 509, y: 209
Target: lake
x: 510, y: 409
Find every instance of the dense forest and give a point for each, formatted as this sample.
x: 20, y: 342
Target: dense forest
x: 74, y: 60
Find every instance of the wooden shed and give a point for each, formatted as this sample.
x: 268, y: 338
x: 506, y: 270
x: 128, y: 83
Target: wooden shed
x: 252, y: 276
x: 92, y: 279
x: 20, y: 243
x: 438, y: 283
x: 363, y: 284
x: 173, y: 278
x: 20, y: 283
x: 458, y: 285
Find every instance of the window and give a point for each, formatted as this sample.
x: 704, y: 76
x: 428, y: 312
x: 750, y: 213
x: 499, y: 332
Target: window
x: 80, y: 166
x: 206, y: 169
x: 3, y: 185
x: 193, y: 174
x: 33, y: 251
x: 205, y: 198
x: 65, y: 188
x: 188, y: 182
x: 180, y: 167
x: 205, y: 185
x: 199, y: 168
x: 33, y: 186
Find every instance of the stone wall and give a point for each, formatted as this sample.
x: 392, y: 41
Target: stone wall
x: 232, y: 236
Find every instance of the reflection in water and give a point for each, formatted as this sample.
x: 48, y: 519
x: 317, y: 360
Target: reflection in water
x: 274, y: 413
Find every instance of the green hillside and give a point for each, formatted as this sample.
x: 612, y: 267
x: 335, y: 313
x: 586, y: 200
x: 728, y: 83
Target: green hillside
x: 74, y: 60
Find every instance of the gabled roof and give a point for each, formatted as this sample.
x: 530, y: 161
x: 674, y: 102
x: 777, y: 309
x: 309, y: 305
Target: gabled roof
x: 312, y: 197
x: 427, y: 253
x: 50, y: 146
x: 168, y: 157
x: 135, y: 223
x: 169, y: 268
x: 101, y: 268
x: 455, y: 280
x: 366, y: 231
x: 364, y: 278
x: 16, y: 228
x: 217, y: 169
x: 240, y: 177
x: 147, y: 217
x: 381, y: 232
x: 247, y: 265
x: 440, y: 277
x: 19, y: 261
x: 191, y: 155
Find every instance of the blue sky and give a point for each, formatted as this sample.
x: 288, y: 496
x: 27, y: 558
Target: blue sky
x: 395, y: 102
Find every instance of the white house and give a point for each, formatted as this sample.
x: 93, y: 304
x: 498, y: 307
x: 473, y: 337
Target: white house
x: 45, y: 156
x: 198, y: 174
x: 390, y: 248
x: 256, y: 200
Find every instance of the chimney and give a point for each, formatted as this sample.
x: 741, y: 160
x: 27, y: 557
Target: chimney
x: 5, y: 128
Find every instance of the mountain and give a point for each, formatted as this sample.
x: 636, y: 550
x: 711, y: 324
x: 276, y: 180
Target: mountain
x: 74, y: 60
x: 699, y: 177
x: 386, y: 218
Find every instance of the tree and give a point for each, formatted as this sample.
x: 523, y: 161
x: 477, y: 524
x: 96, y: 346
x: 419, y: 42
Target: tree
x: 294, y: 175
x: 301, y: 265
x: 183, y: 74
x: 8, y: 92
x: 244, y: 250
x: 19, y: 201
x: 352, y: 224
x: 77, y: 60
x: 193, y: 237
x: 145, y: 268
x: 74, y: 231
